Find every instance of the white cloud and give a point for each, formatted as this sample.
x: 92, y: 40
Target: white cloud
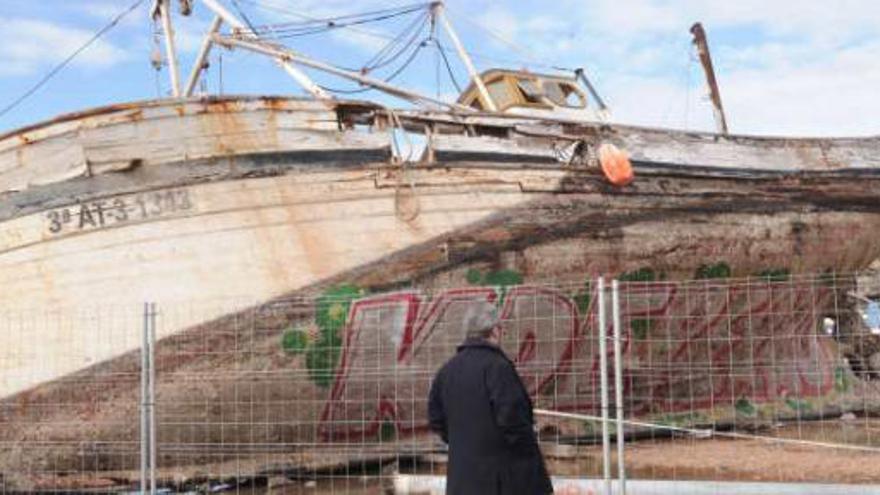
x: 832, y: 97
x: 785, y: 67
x: 31, y: 44
x: 107, y: 10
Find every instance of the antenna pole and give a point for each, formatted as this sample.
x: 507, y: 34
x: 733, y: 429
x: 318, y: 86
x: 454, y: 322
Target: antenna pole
x: 706, y: 59
x: 582, y: 77
x: 299, y: 76
x: 170, y: 50
x: 202, y: 57
x: 438, y: 11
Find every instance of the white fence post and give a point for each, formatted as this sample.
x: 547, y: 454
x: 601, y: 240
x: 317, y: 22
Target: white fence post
x: 145, y: 378
x: 603, y: 384
x: 148, y: 400
x: 152, y: 359
x: 618, y: 386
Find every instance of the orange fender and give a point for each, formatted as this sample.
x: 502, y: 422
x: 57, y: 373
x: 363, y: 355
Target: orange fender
x: 615, y: 165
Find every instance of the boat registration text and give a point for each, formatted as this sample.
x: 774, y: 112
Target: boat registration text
x: 119, y: 210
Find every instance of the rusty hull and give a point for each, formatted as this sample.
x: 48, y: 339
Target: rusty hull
x: 282, y: 199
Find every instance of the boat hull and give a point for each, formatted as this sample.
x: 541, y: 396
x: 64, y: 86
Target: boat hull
x: 260, y: 229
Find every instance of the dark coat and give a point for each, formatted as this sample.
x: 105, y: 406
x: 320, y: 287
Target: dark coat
x: 479, y: 406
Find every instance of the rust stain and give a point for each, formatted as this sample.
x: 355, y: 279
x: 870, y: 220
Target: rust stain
x: 223, y: 121
x: 496, y: 234
x: 221, y: 106
x: 136, y: 115
x: 69, y: 117
x: 274, y: 102
x: 23, y: 403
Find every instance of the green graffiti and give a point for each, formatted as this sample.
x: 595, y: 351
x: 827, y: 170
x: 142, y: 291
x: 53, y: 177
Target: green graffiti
x: 294, y: 341
x: 582, y: 298
x: 775, y: 275
x: 548, y: 388
x: 331, y: 313
x: 502, y: 279
x: 322, y: 347
x: 388, y: 431
x: 841, y: 379
x: 641, y: 327
x: 645, y: 274
x: 799, y: 406
x: 588, y: 428
x: 745, y: 407
x: 718, y: 270
x: 680, y: 419
x: 499, y: 278
x: 828, y: 278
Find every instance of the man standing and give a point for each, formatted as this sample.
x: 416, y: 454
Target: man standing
x: 479, y: 406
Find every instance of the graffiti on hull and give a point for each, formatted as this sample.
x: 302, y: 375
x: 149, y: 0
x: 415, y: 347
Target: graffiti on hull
x: 686, y: 347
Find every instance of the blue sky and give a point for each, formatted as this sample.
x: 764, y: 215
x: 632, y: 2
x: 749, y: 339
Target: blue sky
x: 786, y: 67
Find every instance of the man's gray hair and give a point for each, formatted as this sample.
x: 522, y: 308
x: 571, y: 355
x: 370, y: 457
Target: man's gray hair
x: 479, y: 320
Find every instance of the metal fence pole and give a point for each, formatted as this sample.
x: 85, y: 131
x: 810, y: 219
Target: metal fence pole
x: 603, y: 384
x: 618, y: 386
x: 152, y: 394
x: 145, y: 377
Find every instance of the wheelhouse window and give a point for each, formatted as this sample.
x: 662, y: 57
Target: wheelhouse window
x: 501, y: 92
x: 531, y: 90
x: 564, y: 94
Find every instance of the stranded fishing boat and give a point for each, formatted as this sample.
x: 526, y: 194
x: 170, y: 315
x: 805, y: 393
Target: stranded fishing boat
x: 238, y: 201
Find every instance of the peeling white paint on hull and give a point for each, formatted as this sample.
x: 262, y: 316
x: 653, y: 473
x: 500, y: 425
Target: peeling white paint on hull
x: 220, y: 204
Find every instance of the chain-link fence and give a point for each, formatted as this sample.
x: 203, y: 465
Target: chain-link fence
x: 766, y: 379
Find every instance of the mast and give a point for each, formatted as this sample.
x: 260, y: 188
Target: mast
x: 706, y: 60
x: 286, y: 55
x: 202, y: 58
x: 162, y: 9
x: 437, y: 10
x: 244, y: 36
x: 239, y: 26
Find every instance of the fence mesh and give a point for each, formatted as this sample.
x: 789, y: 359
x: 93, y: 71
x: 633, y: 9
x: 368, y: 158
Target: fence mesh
x: 771, y: 378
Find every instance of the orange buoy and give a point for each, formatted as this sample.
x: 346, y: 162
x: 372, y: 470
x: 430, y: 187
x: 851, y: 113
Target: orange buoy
x: 615, y: 165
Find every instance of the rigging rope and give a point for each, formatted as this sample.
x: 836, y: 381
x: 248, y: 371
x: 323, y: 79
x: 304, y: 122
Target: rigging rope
x: 415, y: 29
x: 390, y: 78
x: 61, y: 65
x: 448, y: 65
x: 267, y: 5
x: 315, y: 26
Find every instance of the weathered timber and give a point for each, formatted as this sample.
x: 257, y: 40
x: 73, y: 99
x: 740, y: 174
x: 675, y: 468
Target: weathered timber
x: 245, y: 209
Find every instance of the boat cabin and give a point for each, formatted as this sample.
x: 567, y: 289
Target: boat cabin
x: 527, y: 93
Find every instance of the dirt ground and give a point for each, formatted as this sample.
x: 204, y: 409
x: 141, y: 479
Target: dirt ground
x: 717, y: 459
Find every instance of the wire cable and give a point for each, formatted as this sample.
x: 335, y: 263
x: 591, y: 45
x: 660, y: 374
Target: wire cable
x: 323, y: 25
x: 265, y: 5
x: 448, y: 66
x: 390, y: 78
x: 61, y: 65
x: 412, y: 32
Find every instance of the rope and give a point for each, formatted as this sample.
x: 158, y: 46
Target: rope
x: 390, y: 78
x: 322, y: 25
x: 55, y: 70
x: 448, y: 65
x: 704, y: 432
x: 263, y: 4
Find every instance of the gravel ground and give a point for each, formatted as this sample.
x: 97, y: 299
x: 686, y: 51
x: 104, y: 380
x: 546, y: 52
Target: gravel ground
x: 716, y: 459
